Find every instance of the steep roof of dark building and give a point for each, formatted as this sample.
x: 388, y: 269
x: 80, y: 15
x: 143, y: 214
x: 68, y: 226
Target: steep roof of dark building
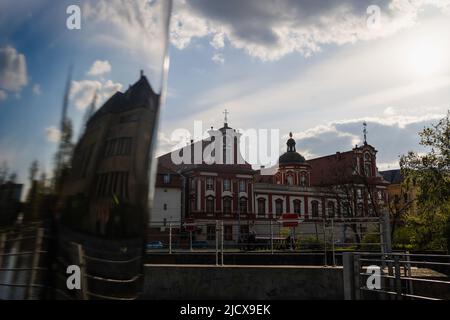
x: 392, y: 176
x: 139, y: 95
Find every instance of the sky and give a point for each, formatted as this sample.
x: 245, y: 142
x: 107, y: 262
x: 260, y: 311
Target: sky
x: 318, y: 69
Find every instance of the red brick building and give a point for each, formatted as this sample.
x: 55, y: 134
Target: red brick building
x: 340, y: 186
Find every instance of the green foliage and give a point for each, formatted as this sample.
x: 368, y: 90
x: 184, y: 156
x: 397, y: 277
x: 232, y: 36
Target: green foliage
x: 430, y: 173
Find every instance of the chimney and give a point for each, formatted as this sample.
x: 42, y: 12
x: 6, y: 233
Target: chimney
x: 142, y: 73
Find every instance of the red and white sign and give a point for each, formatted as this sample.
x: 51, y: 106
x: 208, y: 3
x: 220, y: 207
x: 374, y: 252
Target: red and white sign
x: 189, y: 225
x: 290, y: 220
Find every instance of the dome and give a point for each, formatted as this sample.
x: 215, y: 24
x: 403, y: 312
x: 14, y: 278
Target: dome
x: 291, y: 156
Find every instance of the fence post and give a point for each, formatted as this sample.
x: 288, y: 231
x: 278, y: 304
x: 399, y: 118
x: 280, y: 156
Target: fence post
x: 271, y: 236
x: 332, y: 242
x: 82, y: 265
x: 385, y: 225
x: 409, y: 273
x: 357, y: 271
x: 2, y: 247
x: 35, y: 263
x: 325, y: 242
x: 221, y: 231
x: 170, y: 237
x: 217, y: 243
x: 348, y: 276
x: 398, y: 280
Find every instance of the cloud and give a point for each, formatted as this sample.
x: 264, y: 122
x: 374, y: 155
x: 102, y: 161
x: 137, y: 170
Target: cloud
x: 136, y: 27
x: 37, y: 89
x: 271, y: 29
x: 13, y: 70
x: 3, y: 95
x: 391, y: 136
x: 99, y: 67
x: 82, y: 92
x: 53, y: 134
x: 218, y: 58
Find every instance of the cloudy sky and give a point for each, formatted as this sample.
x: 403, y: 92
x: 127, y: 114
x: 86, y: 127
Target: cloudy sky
x: 316, y: 68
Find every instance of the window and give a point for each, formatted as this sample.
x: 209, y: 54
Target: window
x: 346, y: 209
x: 380, y: 195
x: 242, y: 186
x: 210, y: 205
x: 228, y: 233
x: 165, y: 206
x: 303, y: 180
x: 290, y: 181
x: 112, y: 183
x: 226, y: 185
x: 368, y: 170
x: 227, y: 205
x: 279, y: 207
x: 193, y: 184
x: 261, y: 206
x: 118, y: 147
x: 359, y: 193
x: 166, y: 178
x: 297, y: 206
x: 193, y: 205
x: 360, y: 210
x: 315, y: 208
x: 211, y: 232
x: 331, y: 209
x: 243, y: 205
x: 209, y: 184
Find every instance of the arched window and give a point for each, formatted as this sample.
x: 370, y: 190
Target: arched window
x: 261, y: 206
x: 303, y: 180
x: 315, y: 208
x: 243, y: 205
x: 227, y: 205
x: 331, y: 209
x: 297, y: 206
x: 290, y: 180
x: 210, y: 204
x: 279, y: 207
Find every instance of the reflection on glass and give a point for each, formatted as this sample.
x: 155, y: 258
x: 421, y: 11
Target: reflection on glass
x: 79, y: 106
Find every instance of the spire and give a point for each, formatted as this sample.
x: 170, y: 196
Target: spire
x: 225, y: 120
x: 365, y: 132
x: 291, y: 143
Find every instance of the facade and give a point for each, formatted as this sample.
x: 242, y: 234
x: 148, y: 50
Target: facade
x: 401, y: 197
x: 341, y: 186
x: 107, y: 191
x: 167, y: 204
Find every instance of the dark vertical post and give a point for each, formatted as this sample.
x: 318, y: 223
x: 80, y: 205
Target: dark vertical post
x: 348, y: 275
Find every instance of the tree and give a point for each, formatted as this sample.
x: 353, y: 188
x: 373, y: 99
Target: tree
x: 430, y: 174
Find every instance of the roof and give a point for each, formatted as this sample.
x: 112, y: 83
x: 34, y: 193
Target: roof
x: 392, y: 176
x: 139, y: 95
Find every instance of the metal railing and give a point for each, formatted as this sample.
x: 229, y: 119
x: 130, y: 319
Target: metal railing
x: 401, y: 276
x: 26, y: 271
x: 325, y: 238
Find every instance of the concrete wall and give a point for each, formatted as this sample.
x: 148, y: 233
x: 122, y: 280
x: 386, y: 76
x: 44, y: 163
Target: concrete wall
x: 242, y: 282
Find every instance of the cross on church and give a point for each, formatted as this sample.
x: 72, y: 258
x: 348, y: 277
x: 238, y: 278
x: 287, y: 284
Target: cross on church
x: 226, y: 116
